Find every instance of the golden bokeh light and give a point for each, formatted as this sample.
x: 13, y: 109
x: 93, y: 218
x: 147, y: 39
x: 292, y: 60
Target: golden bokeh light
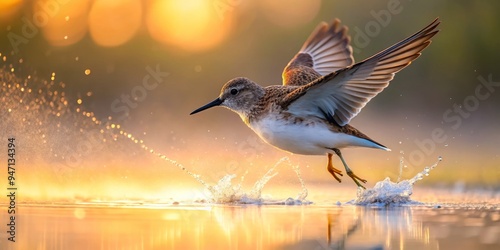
x: 191, y: 24
x: 113, y: 23
x: 290, y: 13
x: 8, y: 8
x: 63, y: 23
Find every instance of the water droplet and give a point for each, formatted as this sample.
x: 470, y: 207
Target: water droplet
x: 419, y: 176
x: 79, y: 101
x: 65, y: 37
x: 440, y: 158
x: 87, y: 72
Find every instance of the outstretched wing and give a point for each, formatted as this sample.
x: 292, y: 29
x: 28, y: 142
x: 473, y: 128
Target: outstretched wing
x: 340, y: 96
x: 326, y: 50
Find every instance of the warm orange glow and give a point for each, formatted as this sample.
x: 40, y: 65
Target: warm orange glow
x: 113, y: 23
x: 290, y: 13
x: 9, y: 8
x: 79, y: 213
x: 191, y: 24
x: 62, y: 24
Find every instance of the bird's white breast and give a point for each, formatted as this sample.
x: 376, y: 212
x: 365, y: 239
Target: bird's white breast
x: 299, y: 138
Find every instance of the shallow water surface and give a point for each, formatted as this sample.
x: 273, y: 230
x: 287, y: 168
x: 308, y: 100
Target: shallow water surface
x: 210, y: 226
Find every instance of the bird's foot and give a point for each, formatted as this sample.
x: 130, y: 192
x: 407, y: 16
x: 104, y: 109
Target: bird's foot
x: 335, y: 172
x: 356, y: 179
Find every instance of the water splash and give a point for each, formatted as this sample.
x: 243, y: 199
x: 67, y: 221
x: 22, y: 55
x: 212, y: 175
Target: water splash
x: 303, y: 194
x: 225, y: 192
x: 388, y: 193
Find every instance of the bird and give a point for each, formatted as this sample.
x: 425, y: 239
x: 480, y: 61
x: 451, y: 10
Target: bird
x: 322, y: 90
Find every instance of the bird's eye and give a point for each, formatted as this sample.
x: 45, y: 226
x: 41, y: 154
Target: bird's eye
x: 234, y: 91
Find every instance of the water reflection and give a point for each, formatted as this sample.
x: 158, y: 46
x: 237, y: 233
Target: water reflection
x: 337, y: 233
x: 253, y: 227
x: 379, y: 228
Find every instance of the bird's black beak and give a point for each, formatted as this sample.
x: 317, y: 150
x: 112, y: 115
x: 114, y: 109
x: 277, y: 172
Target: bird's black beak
x: 214, y: 103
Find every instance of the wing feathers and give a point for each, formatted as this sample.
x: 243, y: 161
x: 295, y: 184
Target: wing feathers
x: 327, y: 49
x: 341, y: 95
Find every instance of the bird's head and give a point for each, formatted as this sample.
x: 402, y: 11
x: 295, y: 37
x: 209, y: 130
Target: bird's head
x: 239, y: 95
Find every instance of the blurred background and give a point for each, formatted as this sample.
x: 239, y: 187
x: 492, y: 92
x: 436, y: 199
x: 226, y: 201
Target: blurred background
x: 137, y: 68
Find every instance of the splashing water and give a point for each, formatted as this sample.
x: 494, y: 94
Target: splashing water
x: 225, y: 192
x: 386, y: 192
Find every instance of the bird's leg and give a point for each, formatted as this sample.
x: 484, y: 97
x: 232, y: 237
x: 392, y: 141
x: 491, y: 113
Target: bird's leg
x: 351, y: 174
x: 332, y: 169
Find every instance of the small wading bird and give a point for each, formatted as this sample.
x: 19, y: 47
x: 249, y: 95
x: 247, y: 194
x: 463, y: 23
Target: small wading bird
x: 322, y: 91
